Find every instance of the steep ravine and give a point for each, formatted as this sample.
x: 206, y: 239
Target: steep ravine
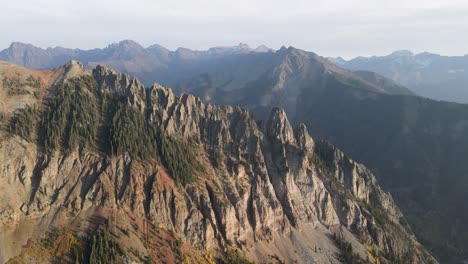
x: 178, y: 180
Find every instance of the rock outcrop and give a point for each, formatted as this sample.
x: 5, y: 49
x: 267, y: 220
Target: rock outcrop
x: 267, y: 189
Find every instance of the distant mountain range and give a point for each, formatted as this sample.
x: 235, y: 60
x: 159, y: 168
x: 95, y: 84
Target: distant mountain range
x: 417, y: 147
x: 149, y: 64
x: 427, y: 74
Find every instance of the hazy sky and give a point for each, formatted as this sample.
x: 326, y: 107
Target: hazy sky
x: 330, y: 27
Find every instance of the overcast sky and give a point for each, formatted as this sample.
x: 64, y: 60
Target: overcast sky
x: 345, y: 28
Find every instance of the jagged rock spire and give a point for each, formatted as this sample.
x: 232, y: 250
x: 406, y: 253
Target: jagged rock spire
x: 278, y: 126
x: 304, y: 140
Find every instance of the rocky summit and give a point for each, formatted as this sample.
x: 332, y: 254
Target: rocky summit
x: 95, y: 167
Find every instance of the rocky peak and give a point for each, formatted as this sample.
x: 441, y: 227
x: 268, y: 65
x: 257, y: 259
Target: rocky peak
x: 160, y: 51
x: 112, y: 81
x: 304, y: 140
x: 73, y: 65
x: 118, y: 81
x: 19, y: 46
x: 402, y: 53
x: 158, y: 47
x: 278, y: 126
x: 125, y: 45
x: 262, y: 48
x: 125, y: 50
x: 69, y: 70
x: 22, y: 51
x: 242, y: 47
x: 102, y: 72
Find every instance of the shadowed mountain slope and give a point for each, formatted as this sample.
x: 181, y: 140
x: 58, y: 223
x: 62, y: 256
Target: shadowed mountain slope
x: 416, y: 146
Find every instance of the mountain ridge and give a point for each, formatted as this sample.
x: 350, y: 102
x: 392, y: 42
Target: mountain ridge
x: 261, y: 81
x: 431, y: 75
x: 405, y: 139
x: 351, y: 112
x: 255, y: 184
x: 149, y: 64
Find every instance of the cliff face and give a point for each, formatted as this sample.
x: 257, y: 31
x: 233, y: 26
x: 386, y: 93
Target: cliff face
x: 268, y: 190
